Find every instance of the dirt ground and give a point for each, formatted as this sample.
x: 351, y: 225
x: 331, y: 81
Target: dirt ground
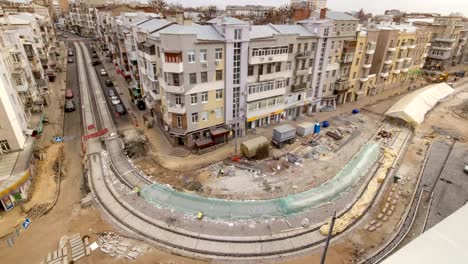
x: 270, y: 178
x: 41, y: 191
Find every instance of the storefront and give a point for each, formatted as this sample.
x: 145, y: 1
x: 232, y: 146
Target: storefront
x: 260, y: 121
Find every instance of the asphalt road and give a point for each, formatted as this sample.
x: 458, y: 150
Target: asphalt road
x: 451, y: 190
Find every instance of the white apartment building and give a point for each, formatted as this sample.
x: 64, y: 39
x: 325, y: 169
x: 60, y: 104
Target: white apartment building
x: 18, y: 70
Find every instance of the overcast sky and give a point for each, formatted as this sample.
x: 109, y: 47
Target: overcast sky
x: 374, y: 6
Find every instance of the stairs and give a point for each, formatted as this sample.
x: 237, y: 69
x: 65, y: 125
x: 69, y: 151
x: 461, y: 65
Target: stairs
x: 180, y: 152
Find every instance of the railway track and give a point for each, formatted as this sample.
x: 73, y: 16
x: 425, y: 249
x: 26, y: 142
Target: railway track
x: 108, y: 167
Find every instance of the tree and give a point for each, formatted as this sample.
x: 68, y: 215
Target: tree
x: 362, y: 16
x: 209, y: 13
x: 158, y: 5
x: 456, y: 14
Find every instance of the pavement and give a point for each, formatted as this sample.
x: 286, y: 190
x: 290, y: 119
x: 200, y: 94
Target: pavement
x: 451, y: 189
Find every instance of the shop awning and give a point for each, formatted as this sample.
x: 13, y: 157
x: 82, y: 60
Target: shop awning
x: 204, y: 143
x: 219, y: 132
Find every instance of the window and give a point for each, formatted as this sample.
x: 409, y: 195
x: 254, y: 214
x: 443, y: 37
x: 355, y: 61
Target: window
x: 306, y: 46
x: 333, y: 73
x: 191, y: 56
x: 204, y: 116
x: 193, y: 99
x: 204, y: 77
x: 311, y: 61
x: 291, y: 47
x: 268, y: 68
x: 237, y: 34
x: 354, y: 75
x: 4, y: 145
x: 219, y: 112
x: 204, y: 97
x: 219, y: 75
x: 16, y: 57
x: 278, y: 67
x: 218, y: 54
x: 178, y: 100
x: 203, y: 55
x: 219, y: 94
x: 357, y: 62
x: 299, y: 47
x: 260, y: 69
x: 194, y: 118
x: 193, y: 78
x: 250, y: 70
x: 18, y: 80
x: 159, y: 52
x: 288, y: 66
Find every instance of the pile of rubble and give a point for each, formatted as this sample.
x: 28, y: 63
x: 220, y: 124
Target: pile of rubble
x: 38, y: 210
x: 117, y: 246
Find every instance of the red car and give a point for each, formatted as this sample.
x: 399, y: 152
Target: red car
x: 69, y: 94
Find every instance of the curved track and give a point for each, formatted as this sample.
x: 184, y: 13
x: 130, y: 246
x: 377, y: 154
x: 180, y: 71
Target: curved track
x: 109, y: 166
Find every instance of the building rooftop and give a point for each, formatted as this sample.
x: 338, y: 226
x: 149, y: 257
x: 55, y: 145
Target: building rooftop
x: 249, y: 7
x: 334, y: 15
x: 402, y: 28
x: 203, y: 32
x: 227, y: 21
x: 294, y: 29
x: 153, y: 24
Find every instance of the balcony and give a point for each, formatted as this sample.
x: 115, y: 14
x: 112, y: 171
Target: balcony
x: 18, y: 65
x: 448, y: 40
x: 347, y: 58
x: 408, y: 59
x: 403, y: 47
x: 396, y: 71
x: 275, y: 75
x: 411, y: 46
x: 444, y: 56
x: 303, y: 54
x: 400, y: 59
x: 390, y: 61
x: 364, y: 79
x: 370, y: 51
x: 177, y: 89
x: 428, y: 44
x: 176, y: 109
x: 442, y: 48
x: 341, y: 85
x: 391, y: 49
x: 371, y: 76
x: 173, y: 67
x: 150, y: 57
x: 384, y: 74
x: 267, y: 111
x: 303, y: 71
x: 424, y: 55
x: 367, y: 66
x: 404, y: 70
x: 266, y: 94
x: 267, y: 58
x: 299, y: 87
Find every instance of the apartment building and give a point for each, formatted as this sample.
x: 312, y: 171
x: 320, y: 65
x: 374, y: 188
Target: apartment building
x: 314, y: 5
x: 82, y: 17
x: 15, y: 147
x: 256, y: 11
x: 400, y: 54
x: 446, y: 32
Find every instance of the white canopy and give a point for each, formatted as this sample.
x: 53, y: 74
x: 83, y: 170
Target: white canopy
x: 413, y: 107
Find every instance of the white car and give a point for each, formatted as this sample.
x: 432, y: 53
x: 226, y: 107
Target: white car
x: 466, y: 167
x: 103, y: 72
x: 115, y: 100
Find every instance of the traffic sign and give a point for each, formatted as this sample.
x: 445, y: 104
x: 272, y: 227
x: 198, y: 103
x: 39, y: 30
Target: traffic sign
x: 26, y: 223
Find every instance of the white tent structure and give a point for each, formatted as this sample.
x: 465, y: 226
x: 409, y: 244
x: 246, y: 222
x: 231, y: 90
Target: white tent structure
x: 413, y: 107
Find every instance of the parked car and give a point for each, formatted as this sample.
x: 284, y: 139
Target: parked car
x: 70, y: 60
x: 115, y: 100
x: 111, y: 93
x: 69, y: 106
x: 119, y: 108
x: 94, y: 55
x: 70, y: 53
x: 466, y: 168
x: 141, y: 105
x: 69, y: 94
x: 71, y: 31
x: 103, y: 72
x: 109, y: 83
x: 96, y: 62
x: 460, y: 74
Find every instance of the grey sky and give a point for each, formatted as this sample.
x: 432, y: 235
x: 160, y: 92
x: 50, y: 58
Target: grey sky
x: 374, y: 6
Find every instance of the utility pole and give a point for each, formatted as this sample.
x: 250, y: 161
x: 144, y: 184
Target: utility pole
x: 235, y: 137
x: 327, y: 242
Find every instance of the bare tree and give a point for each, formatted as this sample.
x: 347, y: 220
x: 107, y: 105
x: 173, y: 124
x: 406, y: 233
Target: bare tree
x: 209, y: 13
x: 456, y: 14
x: 158, y: 5
x: 363, y: 16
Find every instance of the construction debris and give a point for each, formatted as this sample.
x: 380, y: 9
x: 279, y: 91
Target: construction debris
x: 117, y: 246
x: 38, y: 210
